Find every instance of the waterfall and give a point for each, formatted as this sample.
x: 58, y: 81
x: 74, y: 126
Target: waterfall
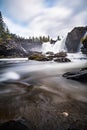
x: 57, y: 47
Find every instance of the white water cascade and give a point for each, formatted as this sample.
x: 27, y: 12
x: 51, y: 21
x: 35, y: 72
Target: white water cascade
x: 57, y: 47
x: 60, y: 46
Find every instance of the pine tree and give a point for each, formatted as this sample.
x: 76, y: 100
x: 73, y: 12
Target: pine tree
x: 2, y: 24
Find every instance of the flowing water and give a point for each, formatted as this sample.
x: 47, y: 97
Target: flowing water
x: 38, y: 92
x: 57, y: 47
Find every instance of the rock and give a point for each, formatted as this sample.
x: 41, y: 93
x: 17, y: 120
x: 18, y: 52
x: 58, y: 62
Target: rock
x: 60, y: 54
x: 53, y: 41
x: 31, y: 46
x: 62, y: 59
x: 79, y: 75
x: 3, y: 51
x: 77, y: 125
x: 73, y: 39
x: 49, y: 53
x: 12, y: 49
x: 13, y: 125
x: 22, y: 124
x: 84, y: 50
x: 38, y: 57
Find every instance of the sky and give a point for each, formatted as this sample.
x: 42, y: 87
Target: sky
x: 43, y: 17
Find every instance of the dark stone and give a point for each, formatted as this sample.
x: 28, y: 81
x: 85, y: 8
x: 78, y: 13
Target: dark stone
x: 77, y: 125
x: 73, y: 39
x: 84, y: 50
x: 60, y: 54
x: 22, y: 124
x: 53, y: 41
x: 49, y: 53
x: 13, y: 125
x: 62, y: 59
x: 3, y: 50
x: 12, y: 49
x: 39, y: 57
x: 79, y: 75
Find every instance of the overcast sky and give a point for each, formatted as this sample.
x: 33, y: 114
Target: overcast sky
x: 43, y: 17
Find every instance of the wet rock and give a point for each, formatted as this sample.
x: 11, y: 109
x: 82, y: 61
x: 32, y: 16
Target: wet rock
x: 49, y: 53
x: 39, y: 57
x: 79, y: 75
x: 60, y: 54
x: 22, y: 124
x: 62, y: 59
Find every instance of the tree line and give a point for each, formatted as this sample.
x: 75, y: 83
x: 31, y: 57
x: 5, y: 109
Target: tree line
x: 6, y: 36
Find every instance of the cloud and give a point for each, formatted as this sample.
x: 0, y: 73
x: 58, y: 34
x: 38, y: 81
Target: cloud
x: 24, y: 10
x: 16, y: 29
x: 36, y: 18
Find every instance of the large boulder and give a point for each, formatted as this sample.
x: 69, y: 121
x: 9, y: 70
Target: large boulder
x: 58, y: 57
x: 38, y: 57
x: 73, y: 39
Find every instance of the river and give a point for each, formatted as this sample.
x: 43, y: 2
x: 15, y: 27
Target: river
x: 38, y: 92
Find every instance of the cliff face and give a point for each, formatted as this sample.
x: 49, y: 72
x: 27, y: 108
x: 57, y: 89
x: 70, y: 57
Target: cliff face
x: 12, y: 49
x: 31, y: 46
x: 73, y: 39
x: 18, y: 49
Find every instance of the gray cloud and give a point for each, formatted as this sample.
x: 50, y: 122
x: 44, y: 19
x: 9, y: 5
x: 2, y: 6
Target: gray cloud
x: 46, y: 20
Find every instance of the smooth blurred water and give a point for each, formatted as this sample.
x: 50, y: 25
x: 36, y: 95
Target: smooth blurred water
x: 45, y: 73
x: 24, y: 84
